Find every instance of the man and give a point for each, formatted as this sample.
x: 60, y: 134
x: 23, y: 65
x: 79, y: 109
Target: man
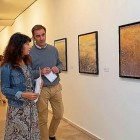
x: 45, y: 57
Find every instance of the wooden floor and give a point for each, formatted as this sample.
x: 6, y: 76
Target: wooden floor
x: 64, y: 131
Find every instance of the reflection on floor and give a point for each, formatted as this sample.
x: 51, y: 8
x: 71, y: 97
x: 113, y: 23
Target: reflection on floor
x: 64, y: 132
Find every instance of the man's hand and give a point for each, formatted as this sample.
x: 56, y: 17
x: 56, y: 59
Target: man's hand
x: 55, y: 69
x: 45, y: 70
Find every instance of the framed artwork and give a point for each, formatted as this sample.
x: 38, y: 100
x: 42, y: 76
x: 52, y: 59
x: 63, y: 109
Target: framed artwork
x: 88, y: 53
x: 61, y: 45
x: 32, y: 42
x: 129, y: 50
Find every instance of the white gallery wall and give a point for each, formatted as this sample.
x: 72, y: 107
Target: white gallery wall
x: 105, y: 105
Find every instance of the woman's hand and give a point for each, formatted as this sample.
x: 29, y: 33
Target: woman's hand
x: 30, y: 95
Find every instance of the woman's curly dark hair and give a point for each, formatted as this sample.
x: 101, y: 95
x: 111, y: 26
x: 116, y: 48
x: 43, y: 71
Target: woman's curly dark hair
x: 13, y: 52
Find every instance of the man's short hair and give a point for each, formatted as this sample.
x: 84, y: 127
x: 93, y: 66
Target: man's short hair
x: 38, y: 27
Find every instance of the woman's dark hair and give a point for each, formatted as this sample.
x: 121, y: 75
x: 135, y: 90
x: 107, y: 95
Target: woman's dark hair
x: 1, y: 57
x: 13, y: 51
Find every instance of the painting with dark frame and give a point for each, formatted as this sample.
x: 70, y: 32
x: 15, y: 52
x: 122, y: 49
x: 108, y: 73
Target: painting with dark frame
x: 32, y: 42
x: 88, y: 53
x: 61, y: 45
x: 129, y: 50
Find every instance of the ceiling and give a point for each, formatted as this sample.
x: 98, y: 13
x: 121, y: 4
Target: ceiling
x: 11, y: 9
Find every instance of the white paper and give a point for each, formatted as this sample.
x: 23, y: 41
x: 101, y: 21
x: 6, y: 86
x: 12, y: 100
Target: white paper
x: 38, y: 85
x: 51, y: 76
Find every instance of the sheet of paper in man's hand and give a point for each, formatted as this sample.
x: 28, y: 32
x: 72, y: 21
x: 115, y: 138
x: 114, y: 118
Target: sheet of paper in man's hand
x: 51, y: 76
x: 37, y: 86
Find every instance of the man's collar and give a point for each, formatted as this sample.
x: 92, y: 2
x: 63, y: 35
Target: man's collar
x: 40, y: 47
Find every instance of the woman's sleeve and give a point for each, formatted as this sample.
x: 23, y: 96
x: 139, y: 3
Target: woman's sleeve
x: 6, y: 85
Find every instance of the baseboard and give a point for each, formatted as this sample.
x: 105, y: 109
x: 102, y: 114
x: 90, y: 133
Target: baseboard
x: 80, y: 129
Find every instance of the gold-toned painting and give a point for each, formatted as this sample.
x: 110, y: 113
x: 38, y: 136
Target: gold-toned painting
x: 129, y: 50
x: 88, y: 53
x: 61, y: 45
x: 32, y: 42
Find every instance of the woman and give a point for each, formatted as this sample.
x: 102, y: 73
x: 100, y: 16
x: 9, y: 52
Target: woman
x: 2, y: 97
x: 17, y: 85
